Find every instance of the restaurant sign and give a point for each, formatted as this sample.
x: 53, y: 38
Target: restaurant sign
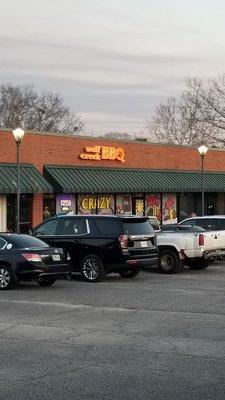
x: 103, y: 153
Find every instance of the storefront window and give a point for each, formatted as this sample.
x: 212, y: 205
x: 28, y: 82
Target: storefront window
x: 153, y: 205
x: 49, y: 209
x: 187, y: 205
x: 25, y: 212
x: 169, y: 208
x: 65, y: 203
x: 124, y: 204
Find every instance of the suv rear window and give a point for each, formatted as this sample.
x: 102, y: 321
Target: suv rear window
x: 108, y: 226
x: 137, y: 227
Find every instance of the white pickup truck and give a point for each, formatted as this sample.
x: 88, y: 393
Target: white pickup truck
x: 196, y: 248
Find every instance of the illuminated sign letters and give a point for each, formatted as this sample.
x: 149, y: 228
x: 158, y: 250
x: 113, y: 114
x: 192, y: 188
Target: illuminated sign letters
x: 103, y: 153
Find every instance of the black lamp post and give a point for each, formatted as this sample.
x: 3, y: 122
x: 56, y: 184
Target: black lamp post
x: 18, y: 134
x: 202, y: 151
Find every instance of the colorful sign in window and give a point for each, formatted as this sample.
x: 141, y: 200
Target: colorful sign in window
x: 153, y: 205
x: 169, y: 208
x: 139, y: 207
x: 65, y: 203
x: 124, y: 204
x: 93, y: 204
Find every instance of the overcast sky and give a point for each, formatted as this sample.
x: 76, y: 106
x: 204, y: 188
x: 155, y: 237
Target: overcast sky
x: 112, y: 61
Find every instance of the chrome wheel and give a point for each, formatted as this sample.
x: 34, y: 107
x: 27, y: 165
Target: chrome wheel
x: 5, y: 278
x: 92, y: 268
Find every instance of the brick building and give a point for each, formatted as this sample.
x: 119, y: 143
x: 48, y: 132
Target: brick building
x: 97, y: 175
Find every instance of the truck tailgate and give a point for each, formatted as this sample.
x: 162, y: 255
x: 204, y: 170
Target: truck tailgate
x: 214, y: 240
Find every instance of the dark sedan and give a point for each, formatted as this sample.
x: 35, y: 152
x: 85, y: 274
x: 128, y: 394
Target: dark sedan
x: 25, y: 258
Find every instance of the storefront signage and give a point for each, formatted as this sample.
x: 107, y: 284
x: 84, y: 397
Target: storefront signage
x: 103, y: 153
x: 89, y: 203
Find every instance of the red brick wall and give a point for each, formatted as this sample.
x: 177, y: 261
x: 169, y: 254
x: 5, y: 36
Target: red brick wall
x: 37, y: 212
x: 40, y: 149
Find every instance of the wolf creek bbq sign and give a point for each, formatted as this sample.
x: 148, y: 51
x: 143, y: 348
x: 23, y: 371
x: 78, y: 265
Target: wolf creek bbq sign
x: 103, y: 153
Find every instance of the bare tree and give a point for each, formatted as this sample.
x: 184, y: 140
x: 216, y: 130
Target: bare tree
x: 22, y: 105
x: 119, y: 135
x: 209, y: 99
x: 198, y: 115
x: 175, y: 123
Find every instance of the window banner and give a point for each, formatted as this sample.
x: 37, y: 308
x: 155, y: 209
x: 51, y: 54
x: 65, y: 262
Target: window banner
x: 106, y: 204
x: 93, y: 204
x: 65, y: 203
x: 124, y: 204
x: 153, y: 205
x: 169, y: 208
x: 87, y: 204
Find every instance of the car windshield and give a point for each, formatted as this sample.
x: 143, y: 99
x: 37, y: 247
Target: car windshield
x: 137, y: 227
x: 25, y: 242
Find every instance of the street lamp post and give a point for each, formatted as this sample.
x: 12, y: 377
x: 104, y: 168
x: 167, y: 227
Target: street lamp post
x: 202, y: 151
x: 18, y: 134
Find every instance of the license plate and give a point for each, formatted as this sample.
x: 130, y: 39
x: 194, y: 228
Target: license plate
x: 144, y: 244
x: 55, y: 257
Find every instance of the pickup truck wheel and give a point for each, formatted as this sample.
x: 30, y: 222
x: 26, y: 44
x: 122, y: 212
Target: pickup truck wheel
x: 169, y: 262
x: 198, y: 264
x: 92, y: 268
x: 130, y: 273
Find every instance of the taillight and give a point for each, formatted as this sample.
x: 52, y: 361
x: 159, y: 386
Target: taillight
x: 123, y: 240
x: 33, y: 257
x: 201, y: 239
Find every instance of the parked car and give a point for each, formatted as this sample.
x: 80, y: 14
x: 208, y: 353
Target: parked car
x: 100, y: 244
x: 208, y: 222
x: 25, y: 258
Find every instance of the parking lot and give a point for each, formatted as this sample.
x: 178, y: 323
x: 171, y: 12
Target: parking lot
x: 152, y: 337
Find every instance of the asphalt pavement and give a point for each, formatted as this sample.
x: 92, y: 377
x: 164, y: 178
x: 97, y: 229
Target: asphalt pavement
x: 153, y: 337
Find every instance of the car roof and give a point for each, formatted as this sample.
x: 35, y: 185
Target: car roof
x: 113, y: 216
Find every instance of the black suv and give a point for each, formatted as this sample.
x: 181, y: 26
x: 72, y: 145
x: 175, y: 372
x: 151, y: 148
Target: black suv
x: 100, y: 244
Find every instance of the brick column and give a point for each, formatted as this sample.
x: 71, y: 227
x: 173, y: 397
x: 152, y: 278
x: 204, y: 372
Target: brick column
x: 37, y: 212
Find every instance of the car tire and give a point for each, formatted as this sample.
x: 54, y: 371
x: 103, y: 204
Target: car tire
x: 131, y: 273
x: 92, y: 268
x: 6, y: 278
x: 169, y: 262
x: 198, y: 264
x: 46, y: 282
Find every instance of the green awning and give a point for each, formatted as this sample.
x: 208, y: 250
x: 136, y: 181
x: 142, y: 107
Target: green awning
x: 31, y: 181
x: 66, y: 179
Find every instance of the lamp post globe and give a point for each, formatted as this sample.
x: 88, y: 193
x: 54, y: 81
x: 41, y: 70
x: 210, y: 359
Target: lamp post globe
x: 202, y: 151
x: 18, y: 135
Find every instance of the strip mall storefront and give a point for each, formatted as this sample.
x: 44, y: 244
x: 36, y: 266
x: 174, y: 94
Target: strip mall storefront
x: 64, y: 173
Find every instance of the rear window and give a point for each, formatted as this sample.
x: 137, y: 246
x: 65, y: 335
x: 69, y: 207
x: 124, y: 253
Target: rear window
x: 25, y: 242
x: 137, y: 227
x: 209, y: 224
x: 108, y: 226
